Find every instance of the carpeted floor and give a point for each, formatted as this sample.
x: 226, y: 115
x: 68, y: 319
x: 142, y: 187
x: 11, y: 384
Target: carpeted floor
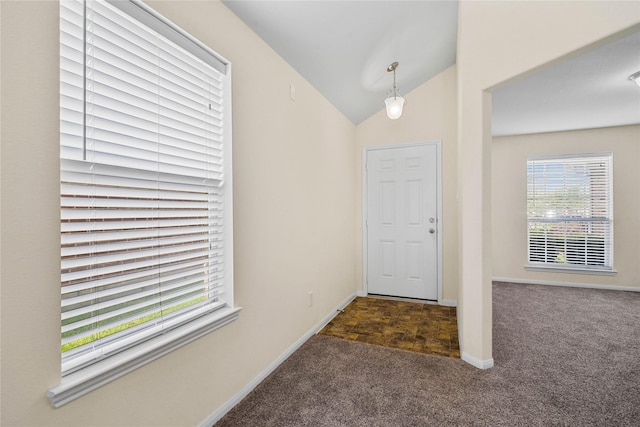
x: 563, y: 356
x: 407, y: 325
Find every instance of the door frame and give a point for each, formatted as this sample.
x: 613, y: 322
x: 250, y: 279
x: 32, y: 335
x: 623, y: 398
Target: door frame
x: 365, y: 255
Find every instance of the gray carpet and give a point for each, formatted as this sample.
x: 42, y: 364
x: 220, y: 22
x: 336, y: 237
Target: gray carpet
x: 563, y: 356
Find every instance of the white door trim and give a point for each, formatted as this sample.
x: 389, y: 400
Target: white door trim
x: 365, y: 150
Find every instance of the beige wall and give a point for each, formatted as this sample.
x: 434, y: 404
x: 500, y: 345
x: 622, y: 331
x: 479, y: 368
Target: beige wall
x: 498, y: 41
x: 430, y: 114
x: 509, y: 215
x: 294, y: 228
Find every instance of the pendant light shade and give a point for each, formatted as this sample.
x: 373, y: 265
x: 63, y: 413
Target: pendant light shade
x: 394, y: 102
x: 394, y: 105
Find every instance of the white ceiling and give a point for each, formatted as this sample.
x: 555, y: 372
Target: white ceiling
x: 591, y: 90
x: 343, y: 49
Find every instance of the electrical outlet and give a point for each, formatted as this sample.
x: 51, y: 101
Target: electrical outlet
x: 310, y: 299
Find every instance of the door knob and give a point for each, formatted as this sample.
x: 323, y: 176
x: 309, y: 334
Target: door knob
x: 431, y: 230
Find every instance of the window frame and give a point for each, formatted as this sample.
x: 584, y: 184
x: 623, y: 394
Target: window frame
x: 608, y: 268
x: 92, y: 376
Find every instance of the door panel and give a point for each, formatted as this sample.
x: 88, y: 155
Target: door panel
x: 402, y: 238
x: 387, y: 259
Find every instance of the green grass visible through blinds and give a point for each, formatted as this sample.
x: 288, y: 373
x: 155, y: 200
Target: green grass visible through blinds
x: 121, y: 327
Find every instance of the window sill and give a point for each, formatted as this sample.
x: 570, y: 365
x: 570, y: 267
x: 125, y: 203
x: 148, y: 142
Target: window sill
x: 90, y: 378
x: 572, y: 270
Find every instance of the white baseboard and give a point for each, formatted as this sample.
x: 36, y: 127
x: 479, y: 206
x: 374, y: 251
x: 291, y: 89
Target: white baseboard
x: 567, y: 284
x: 480, y: 364
x: 229, y: 404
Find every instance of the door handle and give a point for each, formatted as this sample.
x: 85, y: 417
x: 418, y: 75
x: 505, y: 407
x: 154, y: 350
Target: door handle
x: 431, y: 230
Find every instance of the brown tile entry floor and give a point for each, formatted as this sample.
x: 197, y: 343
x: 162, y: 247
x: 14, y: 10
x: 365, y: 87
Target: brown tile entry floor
x: 419, y: 327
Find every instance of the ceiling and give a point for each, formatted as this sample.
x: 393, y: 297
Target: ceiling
x: 591, y: 90
x: 343, y: 49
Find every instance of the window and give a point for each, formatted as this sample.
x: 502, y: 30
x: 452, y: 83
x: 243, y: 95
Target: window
x: 145, y: 191
x: 569, y: 212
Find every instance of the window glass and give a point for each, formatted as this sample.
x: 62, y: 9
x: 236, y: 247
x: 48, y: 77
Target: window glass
x: 569, y: 211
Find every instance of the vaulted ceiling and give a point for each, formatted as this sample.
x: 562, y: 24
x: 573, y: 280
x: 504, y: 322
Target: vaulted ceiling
x: 343, y: 48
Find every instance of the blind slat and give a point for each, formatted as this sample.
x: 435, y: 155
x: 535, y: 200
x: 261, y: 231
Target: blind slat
x: 74, y: 305
x: 114, y: 281
x: 111, y: 312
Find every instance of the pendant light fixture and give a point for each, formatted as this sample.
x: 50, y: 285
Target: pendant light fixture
x: 635, y: 77
x: 394, y: 101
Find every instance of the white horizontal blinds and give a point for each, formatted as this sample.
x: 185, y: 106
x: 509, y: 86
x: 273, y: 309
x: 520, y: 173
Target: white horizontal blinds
x: 141, y: 183
x: 569, y: 211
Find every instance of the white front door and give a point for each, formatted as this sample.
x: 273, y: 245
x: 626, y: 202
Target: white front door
x: 401, y: 221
